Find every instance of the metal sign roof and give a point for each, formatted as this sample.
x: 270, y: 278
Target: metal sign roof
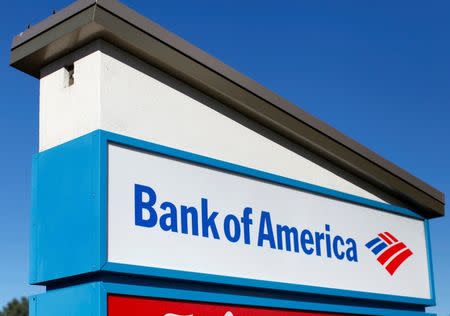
x: 88, y: 20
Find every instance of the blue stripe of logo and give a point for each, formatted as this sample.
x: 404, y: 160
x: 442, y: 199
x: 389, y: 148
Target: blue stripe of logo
x: 379, y: 247
x: 373, y: 242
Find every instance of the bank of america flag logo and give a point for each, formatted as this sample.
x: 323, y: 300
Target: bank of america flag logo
x: 390, y: 252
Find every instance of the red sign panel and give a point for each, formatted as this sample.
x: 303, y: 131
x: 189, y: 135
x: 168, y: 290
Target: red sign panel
x: 139, y: 306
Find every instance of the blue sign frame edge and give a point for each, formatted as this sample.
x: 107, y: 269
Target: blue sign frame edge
x: 66, y: 210
x: 101, y: 139
x: 91, y: 299
x: 108, y: 137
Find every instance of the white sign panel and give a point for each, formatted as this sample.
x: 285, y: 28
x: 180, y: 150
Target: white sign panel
x: 171, y: 214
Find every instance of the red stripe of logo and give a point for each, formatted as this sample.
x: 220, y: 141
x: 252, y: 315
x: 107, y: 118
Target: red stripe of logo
x: 383, y: 236
x: 391, y: 236
x: 398, y: 260
x: 388, y: 253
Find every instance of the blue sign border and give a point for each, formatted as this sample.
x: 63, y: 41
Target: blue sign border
x: 91, y: 299
x: 92, y: 256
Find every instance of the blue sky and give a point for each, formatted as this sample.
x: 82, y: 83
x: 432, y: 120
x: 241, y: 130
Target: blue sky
x: 379, y: 71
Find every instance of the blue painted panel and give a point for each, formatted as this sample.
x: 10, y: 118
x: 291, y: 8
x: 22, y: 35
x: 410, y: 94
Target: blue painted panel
x: 65, y: 216
x: 430, y: 262
x: 90, y: 299
x: 69, y: 217
x: 80, y: 300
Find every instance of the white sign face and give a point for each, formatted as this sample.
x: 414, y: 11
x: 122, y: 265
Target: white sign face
x: 171, y: 214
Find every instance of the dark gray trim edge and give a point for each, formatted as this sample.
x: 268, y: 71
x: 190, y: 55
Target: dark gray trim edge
x: 87, y: 20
